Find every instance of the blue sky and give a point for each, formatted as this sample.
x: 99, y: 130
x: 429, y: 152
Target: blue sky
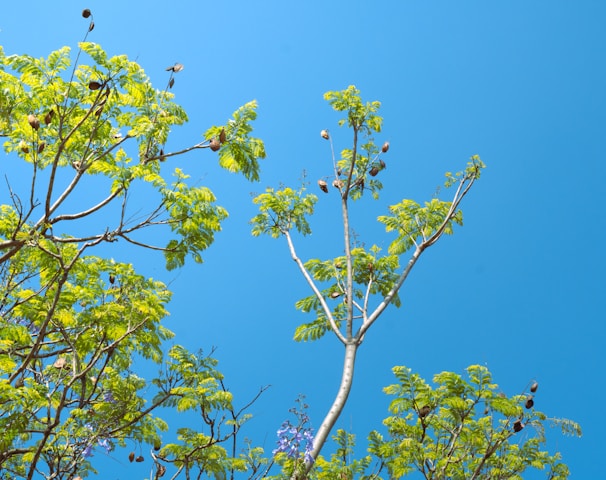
x: 519, y: 288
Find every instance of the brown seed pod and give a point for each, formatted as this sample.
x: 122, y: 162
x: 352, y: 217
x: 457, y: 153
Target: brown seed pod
x: 424, y: 411
x: 385, y: 147
x: 518, y: 425
x: 91, y: 26
x: 94, y: 85
x: 324, y: 134
x: 486, y: 410
x: 382, y: 163
x: 140, y: 459
x: 60, y: 363
x: 112, y: 278
x: 99, y: 111
x: 161, y: 471
x: 48, y: 118
x: 23, y: 146
x: 215, y: 144
x: 335, y: 294
x: 76, y: 165
x: 323, y: 186
x: 337, y: 183
x: 534, y: 387
x: 374, y: 170
x: 86, y: 13
x: 41, y: 146
x: 157, y: 445
x: 131, y: 457
x: 33, y: 121
x: 171, y: 82
x: 177, y: 67
x: 529, y: 402
x: 222, y: 136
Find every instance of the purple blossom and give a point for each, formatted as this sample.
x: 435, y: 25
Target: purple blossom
x: 292, y: 438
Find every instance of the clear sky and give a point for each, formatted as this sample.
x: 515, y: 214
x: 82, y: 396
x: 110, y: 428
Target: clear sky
x: 520, y: 288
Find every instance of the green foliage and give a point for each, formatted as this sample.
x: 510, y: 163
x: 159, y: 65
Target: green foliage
x: 281, y: 210
x: 462, y: 428
x: 73, y: 325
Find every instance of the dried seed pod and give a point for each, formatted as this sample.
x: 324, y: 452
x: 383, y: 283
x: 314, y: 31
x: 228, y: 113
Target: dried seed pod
x: 335, y: 294
x: 534, y: 387
x: 99, y: 111
x: 215, y: 144
x: 177, y: 67
x: 222, y: 136
x: 161, y: 470
x: 486, y: 410
x: 518, y: 425
x: 385, y: 147
x: 86, y: 13
x: 139, y: 459
x: 324, y: 134
x: 374, y: 170
x: 529, y: 402
x: 424, y: 411
x: 157, y: 445
x: 48, y: 118
x: 60, y: 363
x: 323, y: 186
x: 76, y: 165
x: 337, y: 183
x: 33, y: 121
x: 171, y: 82
x: 23, y: 146
x: 41, y: 146
x: 112, y: 278
x: 382, y: 163
x: 131, y: 457
x: 94, y: 85
x: 91, y: 26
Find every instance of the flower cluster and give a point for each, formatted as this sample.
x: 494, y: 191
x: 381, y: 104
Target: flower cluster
x: 291, y: 438
x: 101, y: 442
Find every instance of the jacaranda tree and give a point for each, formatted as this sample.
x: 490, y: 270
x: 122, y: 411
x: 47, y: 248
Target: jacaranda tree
x: 89, y: 134
x: 439, y: 432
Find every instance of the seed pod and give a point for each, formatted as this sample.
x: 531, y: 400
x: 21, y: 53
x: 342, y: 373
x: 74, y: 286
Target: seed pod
x: 23, y: 146
x: 112, y: 278
x: 99, y: 110
x: 60, y: 363
x: 86, y: 13
x: 374, y: 170
x: 214, y: 144
x: 177, y: 67
x: 171, y: 82
x: 382, y: 163
x: 48, y: 118
x: 94, y: 85
x: 131, y: 457
x: 323, y: 186
x: 424, y: 411
x: 91, y: 26
x: 157, y: 445
x: 324, y: 134
x: 139, y: 459
x: 76, y: 165
x: 335, y: 294
x: 529, y: 402
x: 41, y: 146
x: 486, y: 410
x: 222, y: 136
x: 337, y: 183
x: 385, y: 147
x: 161, y: 471
x: 518, y: 425
x: 33, y: 121
x: 534, y: 387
